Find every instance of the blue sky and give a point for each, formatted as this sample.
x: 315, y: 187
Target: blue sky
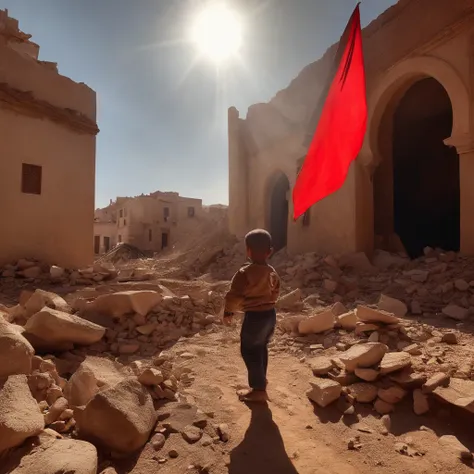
x: 163, y: 123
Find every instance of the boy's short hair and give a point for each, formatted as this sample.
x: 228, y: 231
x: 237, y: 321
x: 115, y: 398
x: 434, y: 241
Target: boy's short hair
x: 258, y: 241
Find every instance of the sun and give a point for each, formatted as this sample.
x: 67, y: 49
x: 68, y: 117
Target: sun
x: 217, y: 32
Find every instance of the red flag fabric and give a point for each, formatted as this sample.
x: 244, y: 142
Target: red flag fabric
x: 341, y: 127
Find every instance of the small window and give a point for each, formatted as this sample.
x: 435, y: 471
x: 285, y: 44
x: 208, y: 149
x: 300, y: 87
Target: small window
x: 125, y: 222
x: 191, y: 211
x: 306, y: 218
x: 166, y: 213
x: 121, y: 213
x: 119, y: 238
x: 150, y: 235
x: 31, y: 179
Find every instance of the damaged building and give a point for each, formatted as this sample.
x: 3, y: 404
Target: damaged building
x: 150, y: 222
x: 47, y: 166
x: 411, y: 185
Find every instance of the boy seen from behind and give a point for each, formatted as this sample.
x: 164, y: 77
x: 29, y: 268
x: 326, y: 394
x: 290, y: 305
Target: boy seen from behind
x: 255, y: 289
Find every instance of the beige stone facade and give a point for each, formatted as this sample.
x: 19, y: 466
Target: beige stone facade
x: 151, y: 223
x: 47, y: 170
x: 412, y: 182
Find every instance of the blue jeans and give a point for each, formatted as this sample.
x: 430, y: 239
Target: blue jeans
x: 257, y: 330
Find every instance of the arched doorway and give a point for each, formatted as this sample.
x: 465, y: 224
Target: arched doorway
x: 416, y: 187
x: 278, y: 212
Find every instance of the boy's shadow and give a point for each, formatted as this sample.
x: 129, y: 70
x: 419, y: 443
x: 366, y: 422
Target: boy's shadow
x: 262, y: 450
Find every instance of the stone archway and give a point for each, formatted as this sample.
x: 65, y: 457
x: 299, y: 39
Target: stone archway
x: 383, y: 100
x: 416, y: 185
x: 277, y: 212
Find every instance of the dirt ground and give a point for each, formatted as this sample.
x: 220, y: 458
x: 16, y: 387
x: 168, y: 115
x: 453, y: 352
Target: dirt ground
x: 289, y: 435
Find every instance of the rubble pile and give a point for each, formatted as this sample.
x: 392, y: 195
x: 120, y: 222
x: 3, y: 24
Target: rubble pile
x: 59, y: 395
x: 123, y: 252
x: 370, y: 355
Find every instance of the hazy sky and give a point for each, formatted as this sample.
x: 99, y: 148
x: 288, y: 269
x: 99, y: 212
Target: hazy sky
x: 163, y: 120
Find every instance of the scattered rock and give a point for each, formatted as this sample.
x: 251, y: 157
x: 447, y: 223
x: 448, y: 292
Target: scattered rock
x: 455, y: 446
x: 386, y: 423
x: 368, y: 375
x: 324, y: 391
x: 318, y: 323
x: 321, y: 365
x: 60, y: 456
x: 347, y: 320
x: 192, y: 434
x: 392, y: 395
x: 437, y: 380
x: 363, y: 392
x: 370, y: 315
x: 223, y: 432
x: 51, y: 329
x: 394, y: 361
x: 461, y: 285
x: 383, y: 408
x: 450, y: 338
x: 290, y: 300
x: 392, y: 305
x: 363, y: 355
x: 459, y: 393
x: 20, y: 416
x: 121, y: 417
x: 420, y: 402
x: 158, y: 441
x: 456, y: 312
x: 413, y: 349
x: 408, y: 380
x: 16, y: 353
x: 151, y: 377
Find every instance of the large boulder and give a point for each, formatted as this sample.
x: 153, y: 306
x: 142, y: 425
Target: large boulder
x: 93, y: 375
x: 363, y: 355
x: 318, y: 323
x: 16, y: 353
x: 126, y: 302
x: 52, y: 329
x: 40, y: 298
x: 120, y: 418
x: 60, y: 456
x: 20, y: 416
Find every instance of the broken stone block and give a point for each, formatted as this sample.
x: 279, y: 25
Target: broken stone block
x: 392, y: 305
x: 437, y: 380
x: 126, y: 302
x: 420, y: 276
x: 16, y: 353
x: 452, y: 444
x: 291, y: 300
x: 20, y: 416
x: 420, y: 402
x: 39, y: 299
x: 324, y: 391
x: 407, y: 380
x: 459, y: 393
x: 347, y: 321
x: 338, y: 309
x: 32, y: 272
x: 392, y: 395
x: 394, y: 361
x: 363, y: 355
x: 321, y: 365
x: 370, y: 315
x: 56, y: 272
x: 369, y: 375
x: 412, y: 349
x: 456, y: 312
x: 362, y: 328
x: 382, y: 407
x: 318, y: 323
x: 121, y: 417
x: 51, y: 329
x: 363, y: 392
x: 151, y: 377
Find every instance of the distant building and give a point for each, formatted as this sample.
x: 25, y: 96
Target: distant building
x: 47, y: 165
x: 412, y: 183
x: 151, y: 223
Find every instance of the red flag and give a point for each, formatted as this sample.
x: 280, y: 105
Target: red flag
x: 341, y: 127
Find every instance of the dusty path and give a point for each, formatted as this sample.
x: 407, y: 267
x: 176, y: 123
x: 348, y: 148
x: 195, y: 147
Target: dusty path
x: 288, y: 435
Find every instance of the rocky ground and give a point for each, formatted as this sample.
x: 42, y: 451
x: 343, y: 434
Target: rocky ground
x: 127, y: 368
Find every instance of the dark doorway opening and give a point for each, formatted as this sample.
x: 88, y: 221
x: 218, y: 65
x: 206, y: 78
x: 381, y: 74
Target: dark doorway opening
x: 164, y: 240
x: 279, y: 212
x: 106, y: 244
x: 426, y: 189
x: 96, y: 244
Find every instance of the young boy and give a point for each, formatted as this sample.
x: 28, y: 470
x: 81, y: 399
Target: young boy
x: 255, y: 289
